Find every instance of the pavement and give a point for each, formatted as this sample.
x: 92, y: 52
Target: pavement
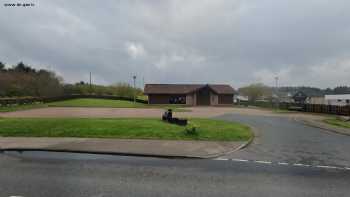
x: 155, y: 148
x: 40, y: 174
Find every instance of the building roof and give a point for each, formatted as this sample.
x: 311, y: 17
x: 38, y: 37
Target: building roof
x: 185, y: 88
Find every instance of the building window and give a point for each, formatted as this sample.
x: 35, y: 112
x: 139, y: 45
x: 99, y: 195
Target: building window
x: 177, y: 100
x: 339, y: 100
x: 347, y: 101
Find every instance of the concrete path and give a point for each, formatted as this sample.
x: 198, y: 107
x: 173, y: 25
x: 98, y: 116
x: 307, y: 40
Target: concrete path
x: 161, y: 148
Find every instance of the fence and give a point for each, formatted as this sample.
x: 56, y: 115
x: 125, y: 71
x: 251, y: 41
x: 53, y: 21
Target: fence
x: 314, y: 108
x: 328, y: 109
x: 32, y: 100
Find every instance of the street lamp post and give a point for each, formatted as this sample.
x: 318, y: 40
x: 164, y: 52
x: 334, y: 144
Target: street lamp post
x: 276, y: 92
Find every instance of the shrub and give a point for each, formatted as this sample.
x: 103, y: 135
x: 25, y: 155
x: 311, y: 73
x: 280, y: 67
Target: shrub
x: 191, y: 128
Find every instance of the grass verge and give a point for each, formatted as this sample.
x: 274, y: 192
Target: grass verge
x: 282, y: 111
x: 130, y: 128
x: 88, y: 102
x: 337, y: 122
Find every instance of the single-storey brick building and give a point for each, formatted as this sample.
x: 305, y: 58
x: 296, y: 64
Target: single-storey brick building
x: 189, y: 94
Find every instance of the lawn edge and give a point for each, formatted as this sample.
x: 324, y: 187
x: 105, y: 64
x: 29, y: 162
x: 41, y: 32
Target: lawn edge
x: 244, y: 145
x: 324, y: 126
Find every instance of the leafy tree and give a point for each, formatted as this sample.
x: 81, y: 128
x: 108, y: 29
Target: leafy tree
x: 47, y: 84
x: 21, y: 67
x: 256, y: 91
x: 125, y: 90
x: 2, y: 66
x: 22, y: 80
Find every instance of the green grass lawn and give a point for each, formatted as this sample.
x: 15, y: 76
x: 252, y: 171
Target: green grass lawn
x: 283, y: 111
x: 88, y: 102
x: 143, y: 97
x: 91, y: 102
x: 131, y: 128
x: 337, y: 122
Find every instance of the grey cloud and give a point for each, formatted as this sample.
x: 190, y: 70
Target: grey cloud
x: 223, y: 41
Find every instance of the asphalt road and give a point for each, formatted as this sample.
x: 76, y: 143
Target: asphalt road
x: 282, y: 139
x: 56, y: 174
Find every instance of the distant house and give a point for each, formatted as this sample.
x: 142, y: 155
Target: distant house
x: 189, y: 94
x: 240, y: 98
x: 283, y: 97
x: 299, y: 97
x: 338, y: 99
x: 319, y: 100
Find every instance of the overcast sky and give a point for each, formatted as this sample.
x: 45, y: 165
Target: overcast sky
x: 304, y: 42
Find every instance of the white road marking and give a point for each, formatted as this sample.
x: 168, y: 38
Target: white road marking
x: 264, y: 162
x: 300, y: 164
x: 240, y: 160
x: 284, y: 163
x: 221, y: 159
x: 330, y: 167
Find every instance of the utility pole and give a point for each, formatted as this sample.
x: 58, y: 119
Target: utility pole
x: 276, y: 92
x: 90, y: 84
x: 134, y: 78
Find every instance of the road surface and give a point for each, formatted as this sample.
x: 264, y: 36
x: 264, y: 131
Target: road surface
x: 33, y: 174
x: 282, y: 139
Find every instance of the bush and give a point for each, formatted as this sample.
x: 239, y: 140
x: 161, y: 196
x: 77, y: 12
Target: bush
x: 342, y: 118
x: 191, y: 128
